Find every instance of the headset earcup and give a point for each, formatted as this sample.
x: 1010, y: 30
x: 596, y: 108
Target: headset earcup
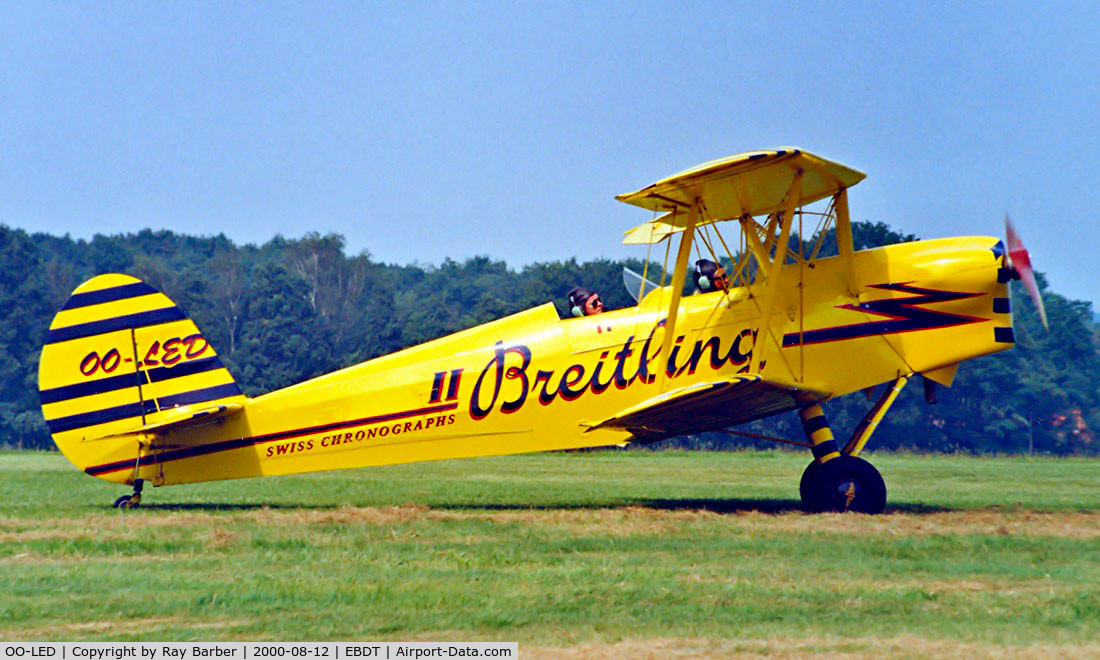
x: 577, y: 311
x: 704, y: 283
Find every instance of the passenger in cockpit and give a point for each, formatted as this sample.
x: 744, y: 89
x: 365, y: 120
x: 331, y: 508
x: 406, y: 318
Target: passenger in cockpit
x: 583, y: 302
x: 709, y: 277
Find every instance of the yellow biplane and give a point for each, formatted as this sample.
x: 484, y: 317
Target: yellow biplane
x: 133, y: 393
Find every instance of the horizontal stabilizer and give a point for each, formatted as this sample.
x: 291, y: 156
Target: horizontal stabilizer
x: 709, y: 406
x: 185, y: 417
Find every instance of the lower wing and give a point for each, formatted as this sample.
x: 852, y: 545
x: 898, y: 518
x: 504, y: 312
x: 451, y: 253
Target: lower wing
x: 711, y: 405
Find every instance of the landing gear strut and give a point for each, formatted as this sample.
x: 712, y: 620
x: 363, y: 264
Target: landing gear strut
x: 839, y: 480
x: 134, y: 499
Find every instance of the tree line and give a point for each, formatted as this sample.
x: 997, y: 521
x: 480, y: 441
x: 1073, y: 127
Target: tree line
x: 292, y: 309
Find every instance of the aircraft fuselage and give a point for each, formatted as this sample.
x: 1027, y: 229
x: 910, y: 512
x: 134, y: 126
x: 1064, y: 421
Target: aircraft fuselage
x: 533, y: 382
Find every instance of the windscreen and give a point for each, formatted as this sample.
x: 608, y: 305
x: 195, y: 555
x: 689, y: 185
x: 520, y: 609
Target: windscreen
x: 636, y: 285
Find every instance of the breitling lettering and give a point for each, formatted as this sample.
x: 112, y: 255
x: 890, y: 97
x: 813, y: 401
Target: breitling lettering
x: 506, y: 381
x: 737, y: 354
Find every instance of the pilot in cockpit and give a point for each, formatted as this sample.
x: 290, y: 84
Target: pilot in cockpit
x: 709, y: 277
x: 583, y: 302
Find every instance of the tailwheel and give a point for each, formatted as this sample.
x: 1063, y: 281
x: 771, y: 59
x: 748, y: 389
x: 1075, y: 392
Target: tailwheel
x: 132, y: 500
x: 845, y: 483
x: 128, y: 502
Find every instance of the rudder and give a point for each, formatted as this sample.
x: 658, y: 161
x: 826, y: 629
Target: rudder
x: 120, y: 356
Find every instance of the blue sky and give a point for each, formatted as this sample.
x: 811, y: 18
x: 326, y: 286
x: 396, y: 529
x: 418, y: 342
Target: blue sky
x: 422, y: 131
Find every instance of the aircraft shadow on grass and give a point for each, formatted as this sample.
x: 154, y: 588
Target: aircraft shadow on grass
x: 726, y: 506
x: 765, y: 505
x: 212, y: 507
x: 771, y: 506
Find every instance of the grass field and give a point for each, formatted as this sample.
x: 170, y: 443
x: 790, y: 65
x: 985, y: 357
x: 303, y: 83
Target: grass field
x: 572, y: 555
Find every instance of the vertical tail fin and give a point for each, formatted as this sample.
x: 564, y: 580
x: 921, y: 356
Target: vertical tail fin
x: 121, y: 356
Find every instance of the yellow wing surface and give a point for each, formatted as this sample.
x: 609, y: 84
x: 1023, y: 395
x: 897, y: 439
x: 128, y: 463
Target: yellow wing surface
x: 754, y: 183
x: 710, y: 405
x: 122, y: 359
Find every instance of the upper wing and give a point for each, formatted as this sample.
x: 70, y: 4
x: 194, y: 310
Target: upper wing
x: 711, y: 405
x: 754, y: 183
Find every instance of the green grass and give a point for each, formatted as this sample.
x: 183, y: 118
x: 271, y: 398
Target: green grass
x: 593, y: 551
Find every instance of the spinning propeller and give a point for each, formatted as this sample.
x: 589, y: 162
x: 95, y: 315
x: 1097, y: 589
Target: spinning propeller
x: 1020, y: 260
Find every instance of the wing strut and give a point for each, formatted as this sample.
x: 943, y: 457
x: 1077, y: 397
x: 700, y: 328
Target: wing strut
x: 844, y: 239
x: 679, y: 274
x: 775, y: 273
x: 748, y: 230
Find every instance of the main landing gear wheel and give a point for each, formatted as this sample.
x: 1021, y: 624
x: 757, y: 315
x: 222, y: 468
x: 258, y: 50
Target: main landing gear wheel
x: 806, y: 486
x: 846, y: 483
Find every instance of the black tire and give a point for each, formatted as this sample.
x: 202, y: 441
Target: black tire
x: 806, y: 486
x: 128, y: 502
x: 847, y: 483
